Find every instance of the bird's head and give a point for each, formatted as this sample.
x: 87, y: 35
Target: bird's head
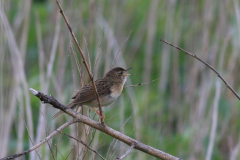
x: 118, y: 75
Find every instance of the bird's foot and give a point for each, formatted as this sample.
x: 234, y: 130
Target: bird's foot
x: 103, y: 116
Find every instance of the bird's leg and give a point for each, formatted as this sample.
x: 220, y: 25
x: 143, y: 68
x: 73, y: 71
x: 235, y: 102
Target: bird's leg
x: 99, y: 114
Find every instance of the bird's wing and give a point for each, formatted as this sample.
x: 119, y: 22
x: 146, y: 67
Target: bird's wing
x: 87, y: 93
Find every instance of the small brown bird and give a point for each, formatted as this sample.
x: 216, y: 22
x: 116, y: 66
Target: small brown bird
x: 109, y: 89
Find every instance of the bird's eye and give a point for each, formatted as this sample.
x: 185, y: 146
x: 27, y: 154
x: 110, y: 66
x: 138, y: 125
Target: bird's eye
x: 121, y: 72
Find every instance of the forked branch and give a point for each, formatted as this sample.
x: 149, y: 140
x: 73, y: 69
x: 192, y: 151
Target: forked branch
x: 106, y: 129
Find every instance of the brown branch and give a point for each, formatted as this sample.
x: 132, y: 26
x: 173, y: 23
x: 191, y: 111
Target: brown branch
x: 214, y: 70
x: 127, y: 153
x: 83, y: 144
x: 80, y: 118
x: 84, y: 62
x: 106, y: 129
x: 140, y: 84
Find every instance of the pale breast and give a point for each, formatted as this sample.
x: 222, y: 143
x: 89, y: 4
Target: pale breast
x: 106, y: 100
x: 116, y: 91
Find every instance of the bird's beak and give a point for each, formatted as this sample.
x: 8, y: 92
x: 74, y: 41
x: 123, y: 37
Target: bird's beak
x: 126, y: 75
x: 128, y: 69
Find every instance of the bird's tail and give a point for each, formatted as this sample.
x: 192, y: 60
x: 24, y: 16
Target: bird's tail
x: 70, y: 105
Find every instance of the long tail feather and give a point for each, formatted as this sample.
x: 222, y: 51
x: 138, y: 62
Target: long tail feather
x: 70, y: 105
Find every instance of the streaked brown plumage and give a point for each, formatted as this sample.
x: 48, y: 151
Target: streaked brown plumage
x: 109, y: 88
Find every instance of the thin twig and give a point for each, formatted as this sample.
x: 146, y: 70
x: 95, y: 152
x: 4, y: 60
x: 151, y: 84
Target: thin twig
x: 194, y: 56
x: 47, y: 129
x: 113, y: 152
x: 122, y: 126
x: 86, y: 149
x: 120, y: 49
x: 47, y: 132
x: 92, y: 137
x: 60, y: 153
x: 121, y: 130
x: 117, y: 140
x: 41, y: 142
x: 84, y: 62
x: 70, y: 152
x: 72, y: 71
x: 127, y: 153
x: 76, y: 59
x: 56, y: 150
x: 89, y: 59
x: 140, y: 84
x: 80, y: 141
x: 27, y: 129
x: 109, y: 148
x: 98, y: 52
x: 50, y: 150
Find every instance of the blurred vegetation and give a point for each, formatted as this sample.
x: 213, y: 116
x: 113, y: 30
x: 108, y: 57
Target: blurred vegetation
x: 174, y: 114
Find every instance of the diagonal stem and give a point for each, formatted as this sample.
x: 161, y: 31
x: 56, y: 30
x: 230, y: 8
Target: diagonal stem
x: 84, y: 62
x: 127, y: 153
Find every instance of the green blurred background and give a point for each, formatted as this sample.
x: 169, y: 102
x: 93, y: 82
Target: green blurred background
x: 188, y: 112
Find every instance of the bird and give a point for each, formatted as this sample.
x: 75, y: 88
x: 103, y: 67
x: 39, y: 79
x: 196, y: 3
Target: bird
x: 109, y: 88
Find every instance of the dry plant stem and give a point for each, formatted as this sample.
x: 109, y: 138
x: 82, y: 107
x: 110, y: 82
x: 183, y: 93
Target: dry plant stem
x: 127, y: 153
x: 140, y: 84
x: 194, y: 56
x: 70, y: 152
x: 234, y: 151
x: 98, y: 53
x: 120, y: 48
x: 118, y: 135
x: 56, y: 150
x: 16, y: 58
x: 83, y: 144
x: 214, y: 121
x: 88, y: 56
x: 22, y: 115
x: 84, y: 62
x: 91, y: 139
x: 75, y: 57
x: 41, y: 142
x: 61, y: 154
